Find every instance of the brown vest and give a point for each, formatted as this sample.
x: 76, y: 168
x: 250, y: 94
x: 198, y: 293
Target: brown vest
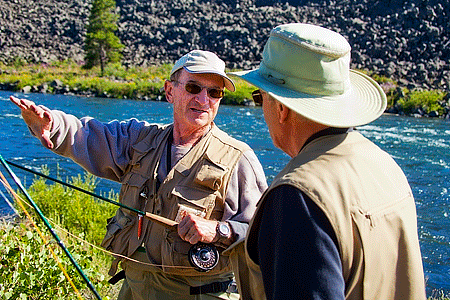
x: 370, y: 206
x: 197, y: 183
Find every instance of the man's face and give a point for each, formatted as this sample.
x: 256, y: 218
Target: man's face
x: 194, y: 111
x: 271, y: 118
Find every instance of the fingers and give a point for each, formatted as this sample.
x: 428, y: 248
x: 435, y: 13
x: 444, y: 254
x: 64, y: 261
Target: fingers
x: 38, y: 119
x: 21, y: 103
x: 45, y: 139
x: 187, y: 230
x: 194, y: 229
x: 192, y: 238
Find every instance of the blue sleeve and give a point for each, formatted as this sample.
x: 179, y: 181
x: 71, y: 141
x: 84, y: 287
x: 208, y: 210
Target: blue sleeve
x: 297, y: 249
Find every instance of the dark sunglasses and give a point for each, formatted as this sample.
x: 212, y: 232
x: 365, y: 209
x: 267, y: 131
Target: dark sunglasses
x: 257, y: 97
x: 194, y: 89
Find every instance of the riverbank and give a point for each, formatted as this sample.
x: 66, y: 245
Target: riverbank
x: 69, y: 78
x: 406, y: 40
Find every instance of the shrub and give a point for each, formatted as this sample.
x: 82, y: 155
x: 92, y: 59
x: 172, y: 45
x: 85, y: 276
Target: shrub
x: 26, y: 264
x: 427, y: 100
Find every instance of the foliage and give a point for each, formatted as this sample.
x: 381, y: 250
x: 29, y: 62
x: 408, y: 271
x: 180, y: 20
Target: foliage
x: 81, y: 214
x: 30, y: 272
x: 147, y: 84
x: 427, y: 100
x: 27, y: 266
x: 243, y: 93
x: 102, y: 46
x: 119, y: 82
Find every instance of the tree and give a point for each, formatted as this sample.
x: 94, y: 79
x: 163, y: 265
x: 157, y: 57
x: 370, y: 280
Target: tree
x: 102, y: 46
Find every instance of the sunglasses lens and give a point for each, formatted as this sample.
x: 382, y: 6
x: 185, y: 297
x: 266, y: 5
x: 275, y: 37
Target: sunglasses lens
x: 193, y: 88
x: 215, y: 93
x: 257, y: 97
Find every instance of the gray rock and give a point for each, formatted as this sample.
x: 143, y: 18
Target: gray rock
x: 395, y: 38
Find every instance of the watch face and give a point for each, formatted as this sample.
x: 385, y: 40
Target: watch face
x: 224, y: 230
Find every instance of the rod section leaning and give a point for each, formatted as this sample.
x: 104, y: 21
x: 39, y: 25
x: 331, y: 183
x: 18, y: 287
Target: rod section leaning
x: 49, y: 227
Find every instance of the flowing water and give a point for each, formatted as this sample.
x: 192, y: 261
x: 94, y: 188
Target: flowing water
x: 420, y: 146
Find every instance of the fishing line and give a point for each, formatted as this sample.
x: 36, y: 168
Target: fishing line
x: 203, y: 257
x: 77, y: 188
x: 71, y: 235
x: 49, y: 227
x: 44, y: 240
x: 8, y: 202
x: 197, y: 251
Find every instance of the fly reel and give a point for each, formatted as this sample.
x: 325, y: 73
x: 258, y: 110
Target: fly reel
x: 203, y: 257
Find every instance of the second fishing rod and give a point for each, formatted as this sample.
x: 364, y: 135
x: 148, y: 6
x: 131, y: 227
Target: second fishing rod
x: 203, y: 257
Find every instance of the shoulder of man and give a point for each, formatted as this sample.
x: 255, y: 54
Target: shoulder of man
x: 230, y: 141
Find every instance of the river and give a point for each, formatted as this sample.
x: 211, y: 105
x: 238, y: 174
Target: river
x: 420, y: 146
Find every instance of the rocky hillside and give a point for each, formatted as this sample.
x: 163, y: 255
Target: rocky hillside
x: 406, y: 40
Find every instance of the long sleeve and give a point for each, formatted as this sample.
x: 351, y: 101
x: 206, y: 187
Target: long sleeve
x: 102, y: 149
x: 246, y: 186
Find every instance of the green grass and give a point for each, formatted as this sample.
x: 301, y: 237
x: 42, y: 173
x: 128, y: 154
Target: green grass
x: 147, y: 84
x: 28, y: 269
x: 117, y: 82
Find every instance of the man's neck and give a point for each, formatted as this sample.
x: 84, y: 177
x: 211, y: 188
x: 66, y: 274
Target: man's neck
x: 189, y: 138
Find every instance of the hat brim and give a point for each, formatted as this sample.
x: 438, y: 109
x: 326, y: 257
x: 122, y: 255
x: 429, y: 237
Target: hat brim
x: 364, y: 102
x: 229, y: 84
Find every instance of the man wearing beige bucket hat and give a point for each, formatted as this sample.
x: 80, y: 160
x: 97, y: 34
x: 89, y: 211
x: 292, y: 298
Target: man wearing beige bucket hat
x: 188, y: 171
x: 339, y: 221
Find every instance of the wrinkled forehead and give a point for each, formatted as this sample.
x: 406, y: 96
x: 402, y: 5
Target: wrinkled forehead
x: 205, y: 79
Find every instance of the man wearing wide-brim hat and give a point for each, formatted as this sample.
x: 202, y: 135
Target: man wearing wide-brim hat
x: 339, y: 221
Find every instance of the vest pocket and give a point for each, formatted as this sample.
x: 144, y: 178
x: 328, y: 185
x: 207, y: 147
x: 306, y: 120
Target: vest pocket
x: 175, y: 257
x: 201, y: 201
x: 210, y: 175
x: 118, y: 231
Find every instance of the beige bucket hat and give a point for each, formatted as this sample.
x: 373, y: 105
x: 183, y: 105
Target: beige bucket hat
x: 201, y: 62
x: 307, y: 68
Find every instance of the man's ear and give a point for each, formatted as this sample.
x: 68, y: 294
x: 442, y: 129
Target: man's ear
x: 282, y: 112
x: 168, y: 88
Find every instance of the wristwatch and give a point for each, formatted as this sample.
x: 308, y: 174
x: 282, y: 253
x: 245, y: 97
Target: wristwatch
x: 224, y: 230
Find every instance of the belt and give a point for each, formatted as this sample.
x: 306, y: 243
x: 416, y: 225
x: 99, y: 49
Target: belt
x: 228, y: 286
x: 116, y: 278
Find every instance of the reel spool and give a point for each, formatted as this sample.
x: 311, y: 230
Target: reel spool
x: 203, y: 257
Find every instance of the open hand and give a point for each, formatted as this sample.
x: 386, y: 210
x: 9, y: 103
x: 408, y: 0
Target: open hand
x: 38, y: 120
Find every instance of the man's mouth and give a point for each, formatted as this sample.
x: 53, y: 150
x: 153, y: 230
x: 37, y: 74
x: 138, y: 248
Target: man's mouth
x: 198, y: 110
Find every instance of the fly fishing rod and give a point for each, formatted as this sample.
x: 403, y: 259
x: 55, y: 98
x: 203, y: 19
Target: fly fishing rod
x: 203, y: 257
x: 49, y: 227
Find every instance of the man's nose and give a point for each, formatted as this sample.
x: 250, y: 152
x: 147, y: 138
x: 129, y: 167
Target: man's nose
x: 203, y: 97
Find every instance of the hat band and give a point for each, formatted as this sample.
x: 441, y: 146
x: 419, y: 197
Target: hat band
x: 304, y: 85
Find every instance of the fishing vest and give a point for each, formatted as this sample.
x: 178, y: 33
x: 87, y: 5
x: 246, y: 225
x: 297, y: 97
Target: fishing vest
x: 196, y: 184
x: 370, y: 206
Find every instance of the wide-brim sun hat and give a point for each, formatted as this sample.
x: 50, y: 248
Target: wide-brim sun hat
x: 307, y: 68
x: 204, y: 62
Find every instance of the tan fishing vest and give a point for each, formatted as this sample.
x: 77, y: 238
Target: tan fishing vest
x: 369, y: 203
x: 197, y: 183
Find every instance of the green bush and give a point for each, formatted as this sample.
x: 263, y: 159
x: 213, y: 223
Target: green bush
x: 427, y: 100
x: 147, y: 83
x: 27, y: 266
x: 29, y: 271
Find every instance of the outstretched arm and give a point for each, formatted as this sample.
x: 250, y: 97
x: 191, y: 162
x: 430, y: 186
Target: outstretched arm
x: 38, y: 120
